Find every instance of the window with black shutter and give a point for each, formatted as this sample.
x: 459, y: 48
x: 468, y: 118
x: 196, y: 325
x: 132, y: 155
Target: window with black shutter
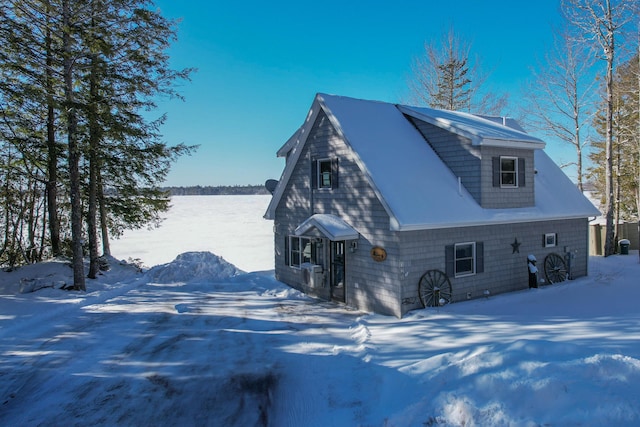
x: 464, y: 259
x: 509, y: 172
x: 325, y: 173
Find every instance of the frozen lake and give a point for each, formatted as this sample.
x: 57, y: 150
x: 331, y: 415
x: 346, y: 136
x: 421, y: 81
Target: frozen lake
x: 229, y: 226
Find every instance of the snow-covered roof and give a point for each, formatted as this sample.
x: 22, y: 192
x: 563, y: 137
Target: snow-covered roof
x: 505, y: 121
x: 481, y: 130
x: 415, y: 187
x: 330, y: 226
x: 291, y: 142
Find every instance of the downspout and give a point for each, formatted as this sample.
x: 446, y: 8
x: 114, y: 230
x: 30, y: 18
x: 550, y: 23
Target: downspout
x: 310, y: 184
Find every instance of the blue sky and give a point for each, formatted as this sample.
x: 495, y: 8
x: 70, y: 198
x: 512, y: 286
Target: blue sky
x: 260, y: 64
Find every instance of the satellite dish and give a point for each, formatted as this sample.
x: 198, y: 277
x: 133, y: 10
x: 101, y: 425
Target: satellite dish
x: 271, y: 185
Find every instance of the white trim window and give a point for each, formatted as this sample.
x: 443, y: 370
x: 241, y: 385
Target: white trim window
x: 325, y: 173
x: 508, y: 171
x: 300, y: 251
x: 465, y: 259
x: 550, y: 240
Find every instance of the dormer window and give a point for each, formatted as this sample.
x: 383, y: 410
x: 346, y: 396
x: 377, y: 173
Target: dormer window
x: 508, y: 172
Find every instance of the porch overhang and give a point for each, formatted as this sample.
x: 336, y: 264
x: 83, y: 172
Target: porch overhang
x: 331, y: 226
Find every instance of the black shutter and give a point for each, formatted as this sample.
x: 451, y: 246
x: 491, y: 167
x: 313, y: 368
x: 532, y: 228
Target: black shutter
x: 479, y: 257
x: 521, y: 173
x: 314, y: 173
x: 286, y: 250
x: 496, y: 171
x: 449, y: 260
x: 334, y: 173
x: 544, y: 240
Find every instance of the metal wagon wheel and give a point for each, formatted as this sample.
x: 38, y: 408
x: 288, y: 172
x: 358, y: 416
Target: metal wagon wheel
x: 434, y: 289
x: 555, y: 269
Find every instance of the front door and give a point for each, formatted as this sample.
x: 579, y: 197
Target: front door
x: 337, y: 271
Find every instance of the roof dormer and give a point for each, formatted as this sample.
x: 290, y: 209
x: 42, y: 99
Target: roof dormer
x: 492, y: 156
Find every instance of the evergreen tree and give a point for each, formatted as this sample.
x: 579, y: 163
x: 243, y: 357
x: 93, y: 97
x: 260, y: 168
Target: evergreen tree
x: 28, y: 125
x: 71, y: 22
x: 445, y: 78
x: 84, y: 73
x: 124, y: 147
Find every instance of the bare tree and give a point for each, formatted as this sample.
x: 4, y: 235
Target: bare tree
x: 446, y: 77
x: 560, y: 98
x: 601, y: 24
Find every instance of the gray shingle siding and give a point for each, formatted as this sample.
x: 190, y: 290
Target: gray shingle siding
x: 497, y: 197
x: 370, y: 286
x: 456, y: 152
x: 504, y: 271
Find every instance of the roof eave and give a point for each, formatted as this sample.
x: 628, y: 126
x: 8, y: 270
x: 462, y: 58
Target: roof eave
x: 509, y: 143
x: 299, y: 139
x: 435, y: 226
x: 525, y: 140
x: 290, y: 144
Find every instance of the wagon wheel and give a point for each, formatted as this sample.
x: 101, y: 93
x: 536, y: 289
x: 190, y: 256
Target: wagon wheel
x: 555, y: 269
x: 434, y: 289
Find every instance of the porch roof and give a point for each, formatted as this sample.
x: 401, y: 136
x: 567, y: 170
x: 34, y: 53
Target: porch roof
x: 331, y: 226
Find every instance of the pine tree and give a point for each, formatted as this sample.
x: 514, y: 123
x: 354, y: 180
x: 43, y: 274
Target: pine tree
x: 85, y: 73
x: 123, y: 145
x: 70, y: 54
x: 26, y: 93
x: 445, y: 77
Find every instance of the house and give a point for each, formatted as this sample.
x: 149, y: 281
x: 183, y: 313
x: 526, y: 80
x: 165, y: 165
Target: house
x: 389, y: 208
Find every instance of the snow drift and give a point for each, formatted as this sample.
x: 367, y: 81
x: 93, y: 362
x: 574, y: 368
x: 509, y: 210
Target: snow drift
x: 193, y: 266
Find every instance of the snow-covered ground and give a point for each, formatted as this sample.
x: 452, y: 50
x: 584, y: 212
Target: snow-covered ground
x: 198, y: 341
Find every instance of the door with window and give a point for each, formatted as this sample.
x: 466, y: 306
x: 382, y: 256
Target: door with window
x: 337, y: 271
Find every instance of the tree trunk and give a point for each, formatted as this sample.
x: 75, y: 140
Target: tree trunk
x: 74, y: 155
x: 52, y: 155
x: 31, y: 200
x: 609, y: 48
x: 577, y: 142
x: 106, y: 248
x: 94, y: 139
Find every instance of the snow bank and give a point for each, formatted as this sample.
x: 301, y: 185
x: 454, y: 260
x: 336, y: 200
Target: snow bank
x: 193, y: 266
x: 30, y: 278
x: 57, y: 273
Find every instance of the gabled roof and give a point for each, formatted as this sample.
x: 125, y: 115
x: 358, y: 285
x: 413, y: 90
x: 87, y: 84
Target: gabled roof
x: 416, y: 188
x: 329, y: 225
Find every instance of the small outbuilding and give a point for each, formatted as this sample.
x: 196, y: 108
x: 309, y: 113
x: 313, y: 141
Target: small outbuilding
x: 389, y: 208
